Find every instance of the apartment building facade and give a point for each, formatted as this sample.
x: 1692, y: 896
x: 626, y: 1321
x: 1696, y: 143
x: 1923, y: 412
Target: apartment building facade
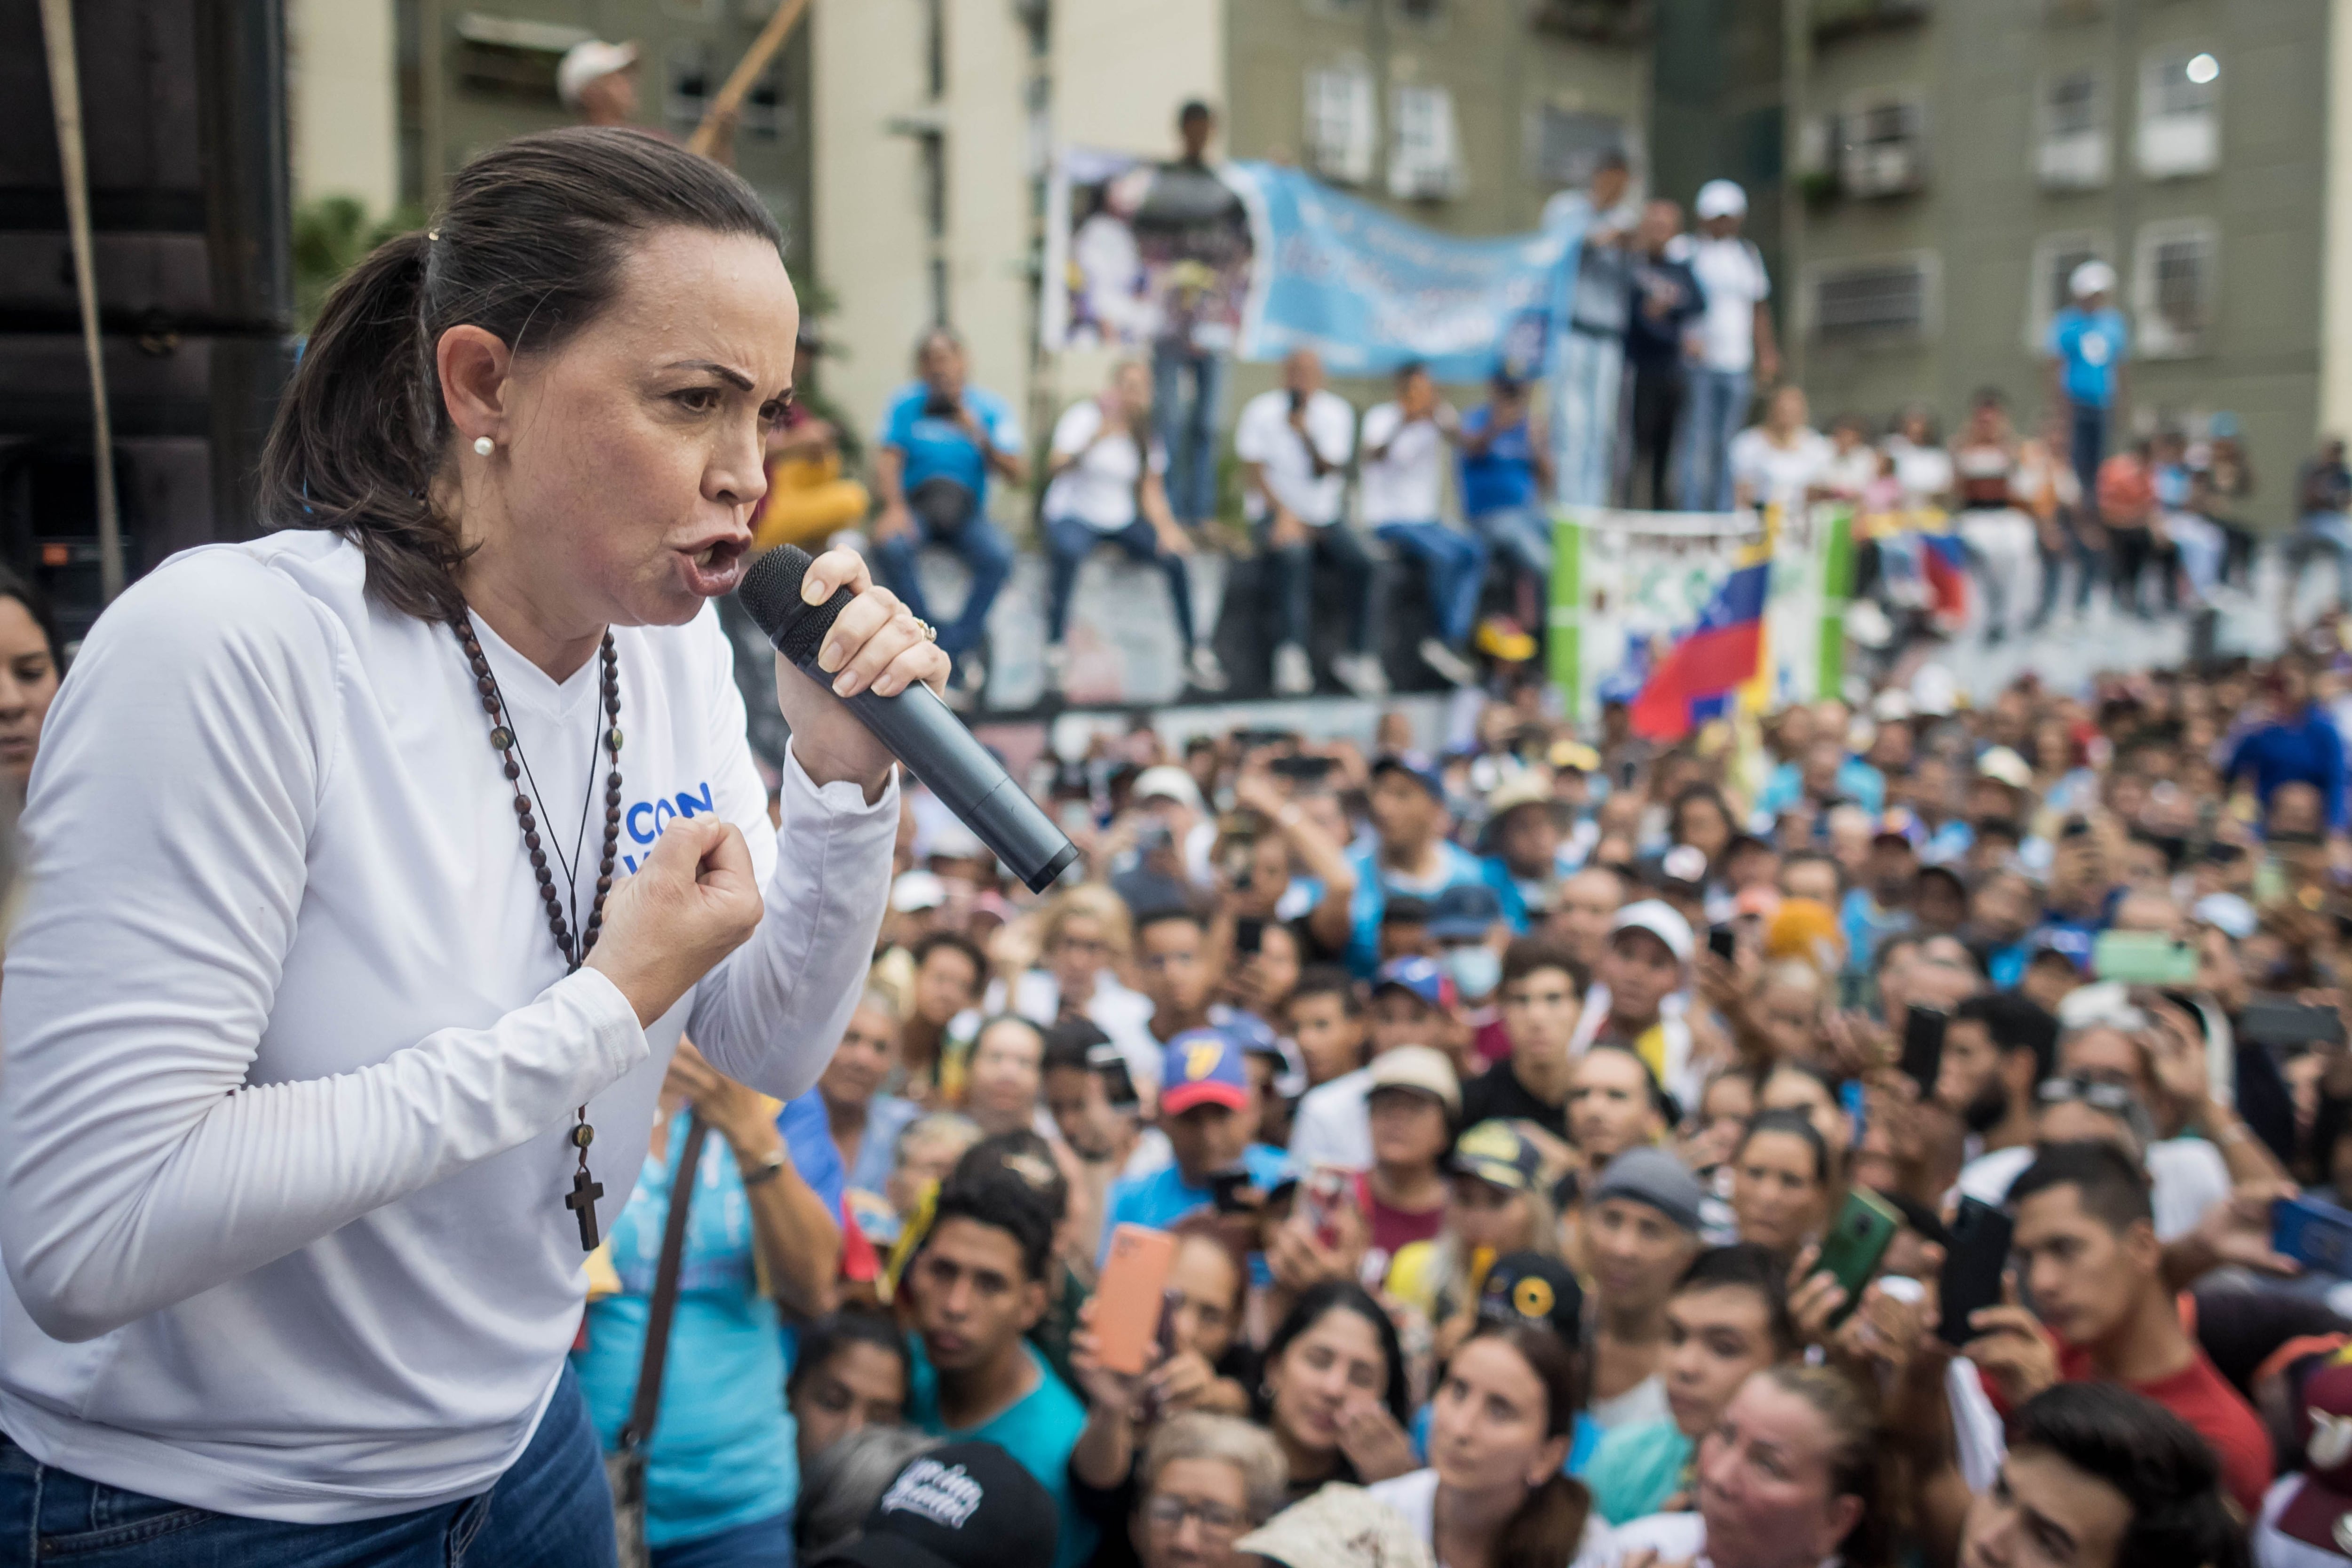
x: 1955, y: 160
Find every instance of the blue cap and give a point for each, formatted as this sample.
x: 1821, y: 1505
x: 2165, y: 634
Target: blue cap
x: 1203, y: 1066
x: 1422, y: 976
x: 1467, y: 911
x: 1416, y: 766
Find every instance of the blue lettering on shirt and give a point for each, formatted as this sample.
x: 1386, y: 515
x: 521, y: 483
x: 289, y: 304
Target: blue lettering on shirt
x: 647, y: 818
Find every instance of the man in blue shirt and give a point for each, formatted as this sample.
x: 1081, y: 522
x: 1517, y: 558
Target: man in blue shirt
x: 2300, y: 745
x: 2088, y: 340
x: 1412, y: 856
x: 1208, y: 1110
x: 940, y: 441
x: 976, y: 1285
x: 1505, y: 475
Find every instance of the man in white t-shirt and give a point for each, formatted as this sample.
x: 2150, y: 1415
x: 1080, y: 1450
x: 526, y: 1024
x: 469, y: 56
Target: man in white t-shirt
x: 1108, y: 486
x: 1403, y: 474
x: 1294, y: 444
x: 1732, y: 347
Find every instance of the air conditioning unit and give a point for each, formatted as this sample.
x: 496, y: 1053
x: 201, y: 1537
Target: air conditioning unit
x: 2175, y: 146
x: 2072, y: 163
x: 1883, y: 168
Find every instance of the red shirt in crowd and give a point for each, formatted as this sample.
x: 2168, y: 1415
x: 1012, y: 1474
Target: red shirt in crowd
x: 1393, y: 1229
x: 2199, y: 1395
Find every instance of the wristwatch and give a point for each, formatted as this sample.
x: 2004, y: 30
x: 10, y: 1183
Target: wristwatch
x: 768, y: 1169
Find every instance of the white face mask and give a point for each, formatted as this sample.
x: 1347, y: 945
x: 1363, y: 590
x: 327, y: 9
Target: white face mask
x: 1476, y: 970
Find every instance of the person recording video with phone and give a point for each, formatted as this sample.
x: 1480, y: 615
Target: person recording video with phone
x: 379, y: 865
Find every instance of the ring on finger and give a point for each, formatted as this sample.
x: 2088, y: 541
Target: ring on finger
x: 930, y: 633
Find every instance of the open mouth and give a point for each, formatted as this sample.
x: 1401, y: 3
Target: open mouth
x: 716, y: 568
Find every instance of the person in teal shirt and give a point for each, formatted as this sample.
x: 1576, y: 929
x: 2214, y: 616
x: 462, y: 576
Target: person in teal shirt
x: 1728, y: 1317
x: 978, y: 1282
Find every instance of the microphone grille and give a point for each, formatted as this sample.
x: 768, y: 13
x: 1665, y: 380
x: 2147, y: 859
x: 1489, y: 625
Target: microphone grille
x: 771, y: 595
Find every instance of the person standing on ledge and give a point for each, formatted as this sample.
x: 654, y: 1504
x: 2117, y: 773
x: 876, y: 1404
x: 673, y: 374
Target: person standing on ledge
x: 378, y: 865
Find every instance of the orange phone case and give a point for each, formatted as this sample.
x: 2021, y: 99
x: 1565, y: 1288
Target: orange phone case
x: 1127, y: 1297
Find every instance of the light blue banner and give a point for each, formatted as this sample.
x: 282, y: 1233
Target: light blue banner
x: 1371, y: 292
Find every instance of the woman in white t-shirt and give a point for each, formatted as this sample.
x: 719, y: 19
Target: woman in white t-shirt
x: 1923, y: 469
x: 1495, y: 1494
x: 1107, y: 486
x: 331, y: 1033
x: 1783, y: 461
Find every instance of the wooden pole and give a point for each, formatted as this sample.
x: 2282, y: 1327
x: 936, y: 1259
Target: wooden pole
x: 738, y: 81
x: 64, y: 96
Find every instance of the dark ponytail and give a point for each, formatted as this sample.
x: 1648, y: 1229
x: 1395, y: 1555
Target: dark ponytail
x: 1548, y: 1528
x: 529, y: 248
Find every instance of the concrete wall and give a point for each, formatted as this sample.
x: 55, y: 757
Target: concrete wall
x: 342, y: 121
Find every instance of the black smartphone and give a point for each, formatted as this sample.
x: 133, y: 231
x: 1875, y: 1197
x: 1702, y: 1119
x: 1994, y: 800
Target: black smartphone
x: 1972, y: 1268
x: 2290, y: 1026
x: 1297, y: 400
x: 1922, y: 1046
x: 1225, y: 1188
x: 1249, y: 931
x: 939, y: 405
x: 1305, y: 770
x: 1722, y: 941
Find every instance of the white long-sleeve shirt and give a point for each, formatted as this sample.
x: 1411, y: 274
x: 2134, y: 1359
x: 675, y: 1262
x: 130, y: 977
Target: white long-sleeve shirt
x: 290, y: 1055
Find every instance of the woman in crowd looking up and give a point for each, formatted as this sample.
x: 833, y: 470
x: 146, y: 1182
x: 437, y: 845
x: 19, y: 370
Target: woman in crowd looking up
x: 850, y: 1373
x: 1494, y: 1495
x: 1780, y: 1181
x: 1789, y: 1478
x: 1333, y: 1390
x: 29, y: 673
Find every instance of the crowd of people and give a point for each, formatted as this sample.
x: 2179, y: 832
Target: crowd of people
x: 1512, y: 1114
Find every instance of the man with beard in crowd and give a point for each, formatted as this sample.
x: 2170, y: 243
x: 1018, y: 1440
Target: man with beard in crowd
x: 1996, y: 1050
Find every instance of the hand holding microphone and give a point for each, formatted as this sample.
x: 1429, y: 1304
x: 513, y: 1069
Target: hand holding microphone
x: 806, y: 607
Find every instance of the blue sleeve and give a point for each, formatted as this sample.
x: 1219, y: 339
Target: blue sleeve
x: 2331, y: 763
x: 898, y: 423
x: 2240, y: 761
x: 1003, y: 424
x: 808, y: 1139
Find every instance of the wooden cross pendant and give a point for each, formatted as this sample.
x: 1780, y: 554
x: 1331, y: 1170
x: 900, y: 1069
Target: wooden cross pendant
x: 584, y: 1194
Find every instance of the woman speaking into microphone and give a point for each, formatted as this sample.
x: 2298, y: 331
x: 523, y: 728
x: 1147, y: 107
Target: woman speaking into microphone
x: 377, y: 866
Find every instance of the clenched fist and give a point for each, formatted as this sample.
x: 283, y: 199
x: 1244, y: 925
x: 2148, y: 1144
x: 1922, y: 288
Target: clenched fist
x: 693, y: 902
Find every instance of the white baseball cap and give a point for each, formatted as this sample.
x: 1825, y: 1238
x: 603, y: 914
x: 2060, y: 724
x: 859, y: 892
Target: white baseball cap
x: 1662, y: 921
x: 1166, y: 781
x: 1721, y: 198
x: 2094, y: 276
x: 586, y: 62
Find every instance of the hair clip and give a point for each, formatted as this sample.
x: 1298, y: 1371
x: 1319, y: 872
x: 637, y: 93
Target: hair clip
x: 433, y: 234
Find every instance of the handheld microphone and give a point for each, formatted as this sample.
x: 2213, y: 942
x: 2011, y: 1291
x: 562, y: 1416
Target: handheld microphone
x: 928, y: 741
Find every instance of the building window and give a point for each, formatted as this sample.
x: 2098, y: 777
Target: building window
x: 762, y: 116
x: 1883, y: 147
x: 1887, y: 300
x: 1421, y: 13
x: 2050, y: 289
x: 1593, y: 21
x: 1835, y: 18
x: 510, y: 59
x: 2071, y: 151
x: 2180, y: 114
x: 1340, y: 133
x: 1424, y: 160
x: 2173, y: 286
x: 1566, y: 145
x: 686, y: 86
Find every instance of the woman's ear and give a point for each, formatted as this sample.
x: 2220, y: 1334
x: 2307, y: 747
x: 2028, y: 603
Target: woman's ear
x: 473, y: 365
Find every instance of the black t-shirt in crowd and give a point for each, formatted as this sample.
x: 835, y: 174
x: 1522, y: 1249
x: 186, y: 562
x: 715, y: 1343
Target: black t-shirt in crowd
x: 1497, y: 1095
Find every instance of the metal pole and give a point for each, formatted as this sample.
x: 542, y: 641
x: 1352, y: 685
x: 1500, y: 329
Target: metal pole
x: 64, y: 96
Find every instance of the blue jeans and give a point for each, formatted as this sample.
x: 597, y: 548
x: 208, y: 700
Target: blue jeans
x: 551, y: 1510
x: 762, y: 1544
x: 984, y: 549
x: 1293, y: 581
x: 1457, y: 570
x: 2316, y: 531
x: 1188, y: 428
x: 1070, y: 541
x: 1586, y: 388
x: 1521, y: 534
x: 1715, y: 409
x: 2088, y: 428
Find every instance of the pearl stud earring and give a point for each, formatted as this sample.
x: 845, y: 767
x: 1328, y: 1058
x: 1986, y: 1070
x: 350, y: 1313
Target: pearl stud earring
x: 484, y: 446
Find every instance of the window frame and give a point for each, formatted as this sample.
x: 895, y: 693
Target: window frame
x: 2153, y: 335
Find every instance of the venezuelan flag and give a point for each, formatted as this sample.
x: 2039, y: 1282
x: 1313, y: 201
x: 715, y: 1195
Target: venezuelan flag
x: 1944, y: 562
x: 1696, y: 679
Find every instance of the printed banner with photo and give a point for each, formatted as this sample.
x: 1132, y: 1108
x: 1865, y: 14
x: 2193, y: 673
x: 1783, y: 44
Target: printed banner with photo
x: 1743, y: 598
x: 1263, y: 258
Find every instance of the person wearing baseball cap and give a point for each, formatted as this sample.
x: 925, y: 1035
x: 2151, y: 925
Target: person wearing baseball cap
x: 598, y: 81
x: 1634, y: 1003
x: 1411, y: 855
x: 1412, y: 1102
x: 1522, y: 838
x: 1208, y: 1108
x: 1641, y: 1230
x: 1413, y: 1004
x: 2087, y: 345
x: 1737, y: 350
x: 1496, y: 1206
x: 962, y: 1505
